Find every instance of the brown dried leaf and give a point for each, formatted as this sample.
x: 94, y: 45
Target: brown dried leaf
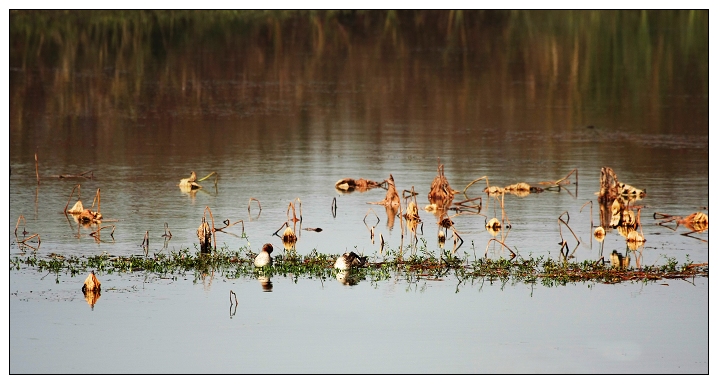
x: 91, y: 283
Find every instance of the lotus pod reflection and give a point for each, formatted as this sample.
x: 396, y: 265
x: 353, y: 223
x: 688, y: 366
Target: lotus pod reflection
x: 634, y: 240
x: 493, y: 226
x: 599, y: 234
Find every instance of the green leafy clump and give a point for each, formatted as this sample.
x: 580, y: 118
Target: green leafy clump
x: 421, y: 264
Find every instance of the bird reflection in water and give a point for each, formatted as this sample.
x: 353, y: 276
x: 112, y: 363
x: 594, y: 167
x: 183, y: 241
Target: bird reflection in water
x: 266, y: 283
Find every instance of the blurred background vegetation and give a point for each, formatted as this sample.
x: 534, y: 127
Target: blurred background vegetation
x: 103, y: 62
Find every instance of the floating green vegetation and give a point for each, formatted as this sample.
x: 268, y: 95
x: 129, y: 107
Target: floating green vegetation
x: 422, y: 265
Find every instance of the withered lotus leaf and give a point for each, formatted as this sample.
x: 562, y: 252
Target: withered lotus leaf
x: 631, y: 192
x: 91, y: 283
x: 611, y: 188
x: 189, y: 183
x: 441, y: 192
x: 88, y: 216
x: 412, y: 225
x: 412, y: 212
x: 392, y: 197
x: 697, y: 221
x: 518, y: 187
x: 617, y: 212
x: 493, y: 190
x: 204, y: 234
x: 361, y: 185
x: 77, y: 208
x: 629, y: 218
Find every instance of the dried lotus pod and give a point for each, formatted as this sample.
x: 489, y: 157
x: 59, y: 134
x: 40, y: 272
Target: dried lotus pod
x: 493, y: 223
x: 289, y: 239
x: 493, y: 226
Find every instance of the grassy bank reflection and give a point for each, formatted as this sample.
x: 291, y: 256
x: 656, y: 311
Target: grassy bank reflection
x: 219, y: 64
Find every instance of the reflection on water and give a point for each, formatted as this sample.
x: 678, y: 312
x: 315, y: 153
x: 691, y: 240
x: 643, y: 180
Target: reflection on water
x: 281, y: 105
x: 266, y: 283
x: 620, y: 261
x: 347, y: 278
x: 91, y: 297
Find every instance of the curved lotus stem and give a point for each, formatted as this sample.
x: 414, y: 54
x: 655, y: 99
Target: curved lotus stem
x: 513, y: 254
x: 473, y: 182
x: 69, y: 198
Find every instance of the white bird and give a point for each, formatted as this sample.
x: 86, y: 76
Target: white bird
x: 348, y: 260
x: 264, y: 258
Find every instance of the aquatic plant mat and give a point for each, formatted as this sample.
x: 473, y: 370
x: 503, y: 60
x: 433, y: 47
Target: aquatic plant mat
x: 423, y: 265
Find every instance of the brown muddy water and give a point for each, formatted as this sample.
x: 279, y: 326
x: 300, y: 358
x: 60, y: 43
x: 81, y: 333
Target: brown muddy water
x: 284, y: 108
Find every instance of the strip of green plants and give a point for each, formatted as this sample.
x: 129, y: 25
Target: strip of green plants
x: 419, y: 265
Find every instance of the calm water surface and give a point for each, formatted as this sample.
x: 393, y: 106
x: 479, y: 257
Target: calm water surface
x: 280, y: 126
